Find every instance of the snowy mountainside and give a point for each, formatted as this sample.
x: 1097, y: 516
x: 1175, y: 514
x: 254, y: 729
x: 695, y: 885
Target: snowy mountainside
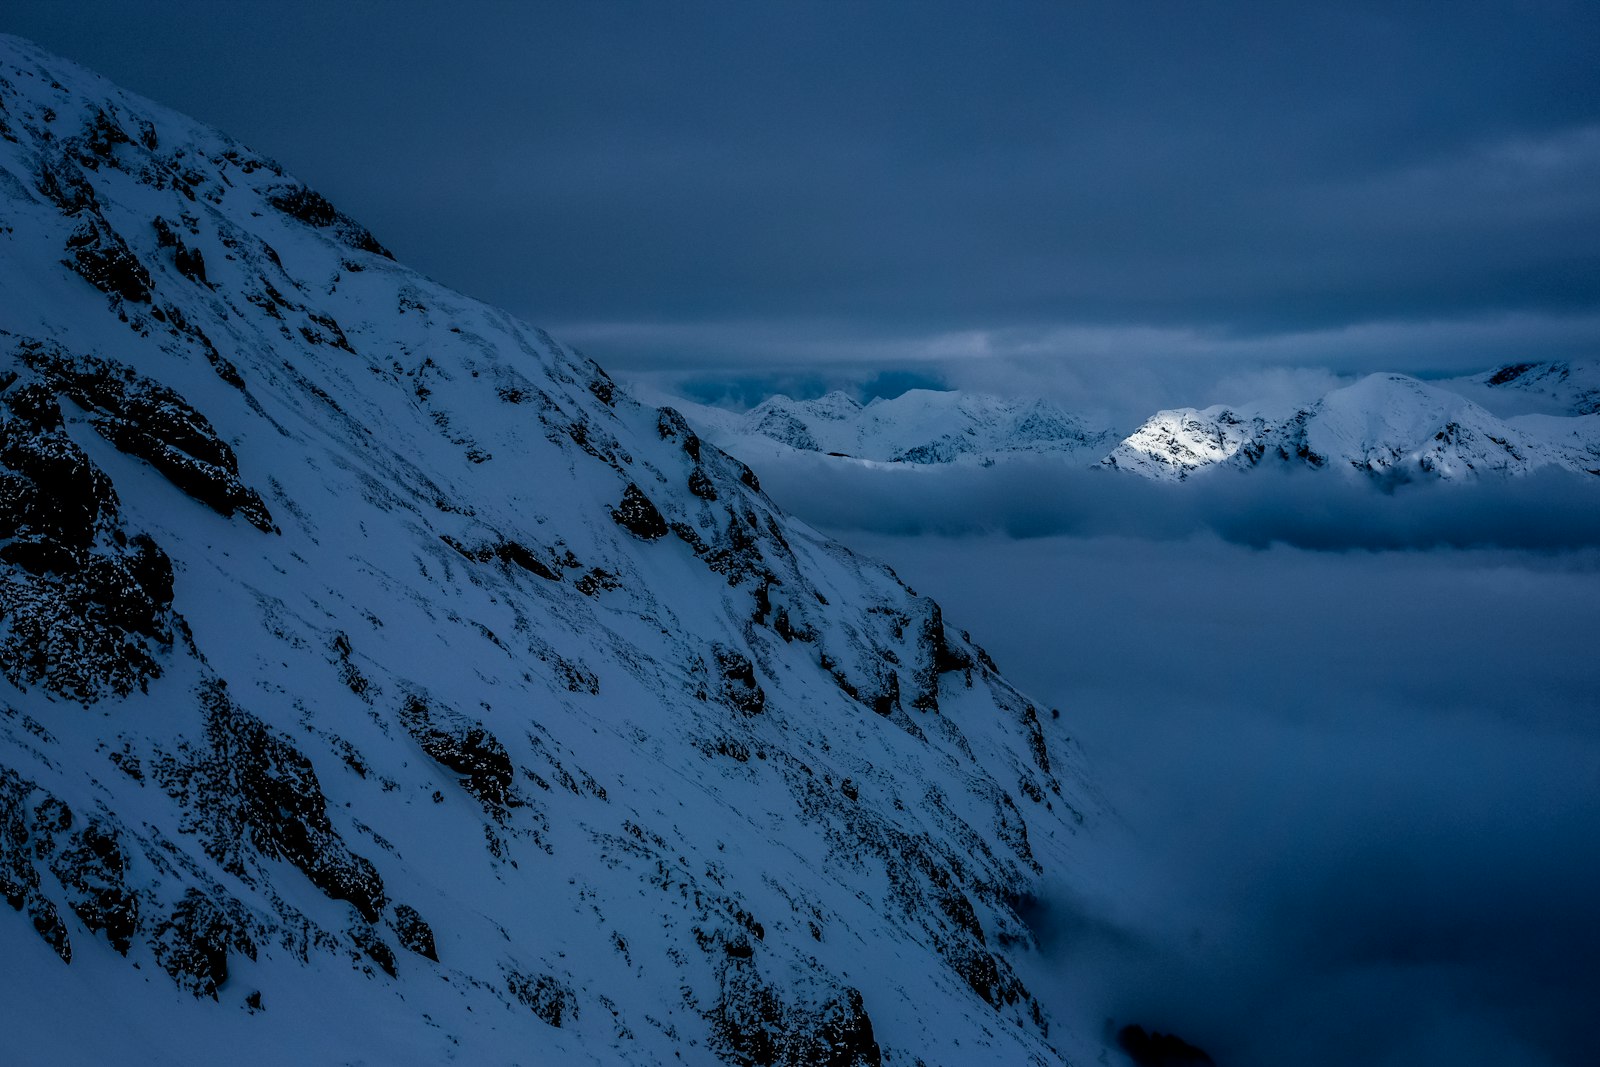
x: 1565, y: 387
x: 921, y: 426
x: 384, y: 683
x: 1386, y: 427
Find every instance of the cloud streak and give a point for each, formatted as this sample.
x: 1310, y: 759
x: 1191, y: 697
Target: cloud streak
x: 1032, y: 497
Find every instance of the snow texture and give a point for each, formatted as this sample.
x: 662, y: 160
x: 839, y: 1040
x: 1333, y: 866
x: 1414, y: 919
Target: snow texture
x: 1389, y: 428
x: 386, y: 684
x: 922, y: 426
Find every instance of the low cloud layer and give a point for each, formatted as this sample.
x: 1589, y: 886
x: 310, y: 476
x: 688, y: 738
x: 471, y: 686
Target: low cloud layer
x: 1112, y: 374
x: 1029, y: 497
x: 1355, y: 792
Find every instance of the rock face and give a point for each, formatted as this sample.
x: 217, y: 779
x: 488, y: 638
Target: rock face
x: 343, y: 615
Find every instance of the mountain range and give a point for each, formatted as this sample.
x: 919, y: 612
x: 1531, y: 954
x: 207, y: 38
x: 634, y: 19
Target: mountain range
x: 1387, y: 428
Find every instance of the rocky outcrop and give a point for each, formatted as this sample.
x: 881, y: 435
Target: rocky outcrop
x: 753, y: 1024
x: 636, y: 514
x: 92, y: 870
x: 313, y: 209
x: 464, y: 746
x: 414, y: 933
x: 144, y: 418
x: 545, y: 995
x: 87, y: 602
x: 193, y: 942
x: 251, y: 794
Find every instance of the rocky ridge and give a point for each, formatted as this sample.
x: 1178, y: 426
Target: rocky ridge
x: 1389, y: 428
x: 1386, y: 428
x: 921, y: 426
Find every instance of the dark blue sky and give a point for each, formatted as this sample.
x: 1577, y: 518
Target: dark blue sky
x: 794, y: 187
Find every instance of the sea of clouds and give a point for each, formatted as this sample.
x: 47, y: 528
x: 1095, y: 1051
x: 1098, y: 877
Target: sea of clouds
x: 1351, y: 741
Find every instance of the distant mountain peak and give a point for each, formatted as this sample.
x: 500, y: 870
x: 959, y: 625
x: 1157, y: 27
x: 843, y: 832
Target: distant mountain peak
x: 1386, y: 427
x: 921, y: 426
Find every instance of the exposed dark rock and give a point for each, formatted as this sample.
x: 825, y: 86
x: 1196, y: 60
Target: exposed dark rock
x: 189, y: 261
x: 781, y: 425
x: 522, y: 556
x: 92, y: 869
x: 738, y: 687
x: 104, y: 259
x: 51, y: 490
x: 596, y: 581
x: 144, y: 418
x: 464, y: 746
x: 989, y: 975
x: 946, y: 657
x: 414, y: 933
x: 374, y: 948
x: 325, y: 330
x: 1155, y: 1049
x: 63, y: 182
x: 21, y: 843
x: 313, y: 209
x: 701, y: 485
x: 546, y: 995
x: 752, y: 1026
x: 252, y: 788
x: 601, y: 385
x: 638, y: 516
x: 35, y: 404
x: 192, y: 944
x: 1504, y: 376
x: 785, y: 628
x: 349, y: 673
x: 506, y: 551
x: 672, y: 426
x: 50, y: 927
x: 101, y: 135
x: 86, y: 605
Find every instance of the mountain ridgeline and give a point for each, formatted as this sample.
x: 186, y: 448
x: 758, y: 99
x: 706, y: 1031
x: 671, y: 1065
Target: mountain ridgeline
x: 1383, y: 428
x: 384, y: 682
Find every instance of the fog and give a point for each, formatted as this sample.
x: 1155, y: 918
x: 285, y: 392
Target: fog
x: 1042, y: 496
x: 1353, y: 767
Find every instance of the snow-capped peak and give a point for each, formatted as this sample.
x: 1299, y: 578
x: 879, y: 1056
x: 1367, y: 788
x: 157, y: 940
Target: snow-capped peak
x: 1388, y: 427
x: 919, y: 426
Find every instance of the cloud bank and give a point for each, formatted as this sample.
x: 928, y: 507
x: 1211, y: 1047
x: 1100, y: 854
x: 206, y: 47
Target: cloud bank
x: 1356, y: 791
x: 1031, y: 497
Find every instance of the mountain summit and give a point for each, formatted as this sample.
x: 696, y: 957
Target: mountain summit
x: 1389, y: 428
x: 385, y: 683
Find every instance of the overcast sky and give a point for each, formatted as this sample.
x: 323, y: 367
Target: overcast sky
x: 966, y: 191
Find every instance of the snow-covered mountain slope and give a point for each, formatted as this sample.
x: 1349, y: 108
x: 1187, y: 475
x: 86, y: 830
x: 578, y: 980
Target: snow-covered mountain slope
x: 385, y: 684
x: 1559, y: 388
x: 922, y: 426
x: 1388, y: 427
